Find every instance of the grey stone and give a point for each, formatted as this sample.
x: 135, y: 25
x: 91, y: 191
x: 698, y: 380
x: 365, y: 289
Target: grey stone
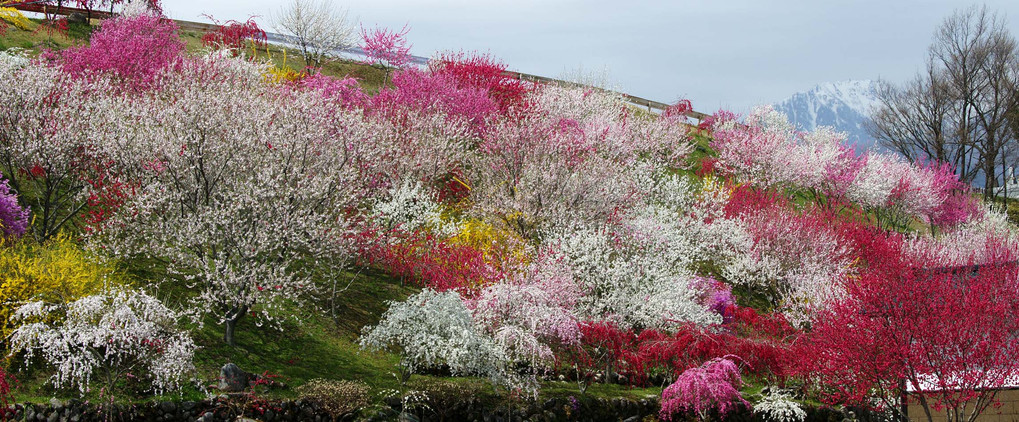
x: 632, y: 419
x: 77, y: 17
x: 54, y: 417
x: 167, y: 407
x: 232, y: 379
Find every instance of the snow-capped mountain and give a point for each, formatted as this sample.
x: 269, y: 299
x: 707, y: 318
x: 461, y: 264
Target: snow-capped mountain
x: 844, y: 105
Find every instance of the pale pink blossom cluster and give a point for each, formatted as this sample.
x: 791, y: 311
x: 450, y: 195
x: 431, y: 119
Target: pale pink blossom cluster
x: 766, y: 150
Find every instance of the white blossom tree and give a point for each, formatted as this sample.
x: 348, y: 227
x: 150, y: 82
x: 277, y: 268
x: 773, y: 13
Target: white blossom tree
x: 243, y: 191
x: 433, y: 328
x: 318, y: 28
x: 105, y: 337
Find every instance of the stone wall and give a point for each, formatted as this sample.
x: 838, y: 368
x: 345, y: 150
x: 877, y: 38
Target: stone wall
x: 241, y: 409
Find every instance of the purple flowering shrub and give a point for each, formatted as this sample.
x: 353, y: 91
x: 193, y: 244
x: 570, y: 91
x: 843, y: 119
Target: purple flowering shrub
x: 13, y: 218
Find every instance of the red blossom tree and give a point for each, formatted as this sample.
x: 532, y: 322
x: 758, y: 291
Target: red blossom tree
x: 945, y: 336
x: 236, y: 36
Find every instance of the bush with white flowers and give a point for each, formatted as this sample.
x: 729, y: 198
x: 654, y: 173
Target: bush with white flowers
x: 104, y: 337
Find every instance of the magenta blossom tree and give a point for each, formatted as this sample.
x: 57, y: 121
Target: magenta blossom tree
x: 712, y: 386
x: 386, y: 47
x: 13, y: 218
x: 133, y: 48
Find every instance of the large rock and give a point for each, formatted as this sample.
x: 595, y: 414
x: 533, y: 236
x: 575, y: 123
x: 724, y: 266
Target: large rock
x: 77, y: 17
x: 233, y: 380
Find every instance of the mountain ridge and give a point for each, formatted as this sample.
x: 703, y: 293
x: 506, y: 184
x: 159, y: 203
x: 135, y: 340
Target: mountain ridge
x: 844, y: 105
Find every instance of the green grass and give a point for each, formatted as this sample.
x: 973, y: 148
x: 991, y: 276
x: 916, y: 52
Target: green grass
x: 36, y: 39
x: 311, y: 344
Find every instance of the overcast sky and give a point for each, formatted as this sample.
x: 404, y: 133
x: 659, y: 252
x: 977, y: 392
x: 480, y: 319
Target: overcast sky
x: 718, y: 54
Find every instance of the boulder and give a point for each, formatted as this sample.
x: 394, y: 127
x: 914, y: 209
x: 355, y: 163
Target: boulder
x: 77, y: 17
x: 233, y: 380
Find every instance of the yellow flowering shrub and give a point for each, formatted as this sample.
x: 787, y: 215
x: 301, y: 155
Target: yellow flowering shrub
x: 56, y: 272
x: 501, y: 248
x: 14, y: 17
x: 283, y: 74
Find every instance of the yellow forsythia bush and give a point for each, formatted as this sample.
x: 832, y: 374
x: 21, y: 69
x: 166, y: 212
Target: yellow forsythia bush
x: 14, y: 17
x: 56, y: 272
x: 501, y: 248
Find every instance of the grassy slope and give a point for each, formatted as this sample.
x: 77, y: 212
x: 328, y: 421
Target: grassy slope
x: 311, y: 344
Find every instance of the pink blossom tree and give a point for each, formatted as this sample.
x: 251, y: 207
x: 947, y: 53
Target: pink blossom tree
x: 386, y: 47
x: 13, y: 218
x: 133, y: 48
x: 714, y: 386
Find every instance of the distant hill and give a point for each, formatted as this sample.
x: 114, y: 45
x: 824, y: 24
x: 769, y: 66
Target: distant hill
x: 844, y: 105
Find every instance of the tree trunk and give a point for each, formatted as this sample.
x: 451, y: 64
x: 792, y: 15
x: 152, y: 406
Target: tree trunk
x: 231, y: 323
x: 990, y: 167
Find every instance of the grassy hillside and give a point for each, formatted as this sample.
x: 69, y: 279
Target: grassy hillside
x: 39, y: 37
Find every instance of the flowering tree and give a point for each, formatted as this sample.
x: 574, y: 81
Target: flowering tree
x: 533, y: 313
x: 319, y: 29
x: 133, y: 48
x: 714, y: 386
x: 386, y: 47
x: 483, y: 72
x: 107, y: 336
x: 241, y: 189
x: 769, y: 152
x: 49, y: 140
x: 943, y: 335
x: 433, y: 328
x: 13, y: 218
x: 236, y: 36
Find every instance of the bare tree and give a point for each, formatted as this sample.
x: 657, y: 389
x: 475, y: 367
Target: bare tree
x: 957, y: 111
x: 316, y: 27
x: 916, y: 120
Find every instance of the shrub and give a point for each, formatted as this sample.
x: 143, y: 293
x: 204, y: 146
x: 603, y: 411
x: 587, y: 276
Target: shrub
x: 446, y: 396
x: 432, y: 329
x: 13, y: 218
x: 338, y: 398
x: 133, y: 48
x: 107, y: 336
x: 779, y: 407
x: 57, y: 272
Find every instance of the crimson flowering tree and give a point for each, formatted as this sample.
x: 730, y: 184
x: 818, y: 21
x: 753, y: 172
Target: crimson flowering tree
x: 714, y: 386
x: 236, y: 36
x: 483, y: 72
x: 944, y: 337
